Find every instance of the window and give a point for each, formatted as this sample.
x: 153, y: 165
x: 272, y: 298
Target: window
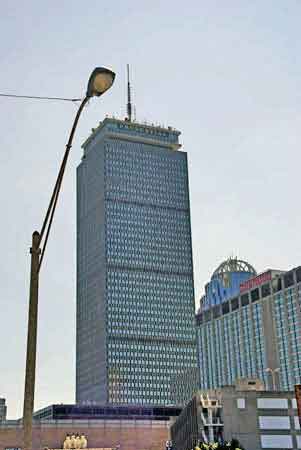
x: 265, y: 290
x: 207, y: 316
x: 288, y: 279
x: 216, y: 311
x: 244, y: 299
x: 199, y: 319
x: 241, y: 403
x: 276, y: 284
x: 225, y: 308
x: 281, y: 441
x: 255, y: 295
x: 274, y: 422
x: 234, y: 304
x: 272, y: 403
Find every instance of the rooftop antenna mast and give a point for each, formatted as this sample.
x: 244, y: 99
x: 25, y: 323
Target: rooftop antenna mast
x: 129, y: 103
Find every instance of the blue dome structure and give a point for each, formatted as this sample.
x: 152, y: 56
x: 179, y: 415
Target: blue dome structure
x: 225, y: 282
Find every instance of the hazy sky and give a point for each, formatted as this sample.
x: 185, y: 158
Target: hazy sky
x: 225, y: 73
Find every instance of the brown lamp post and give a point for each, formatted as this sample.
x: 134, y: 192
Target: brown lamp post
x: 100, y: 81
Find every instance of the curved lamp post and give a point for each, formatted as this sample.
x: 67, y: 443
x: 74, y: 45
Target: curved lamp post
x: 99, y: 82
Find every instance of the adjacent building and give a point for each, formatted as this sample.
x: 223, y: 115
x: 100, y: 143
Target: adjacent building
x: 135, y: 292
x: 259, y: 419
x: 109, y: 427
x: 3, y: 409
x: 256, y: 333
x: 108, y: 433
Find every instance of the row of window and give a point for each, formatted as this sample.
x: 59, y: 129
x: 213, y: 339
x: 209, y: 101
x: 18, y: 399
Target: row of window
x: 228, y: 350
x: 119, y: 214
x: 148, y: 332
x: 152, y: 348
x: 145, y: 399
x: 169, y: 282
x: 144, y: 291
x: 143, y: 156
x: 135, y: 172
x: 236, y: 331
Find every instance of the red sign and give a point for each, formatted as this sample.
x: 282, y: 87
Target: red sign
x: 257, y: 281
x: 298, y: 400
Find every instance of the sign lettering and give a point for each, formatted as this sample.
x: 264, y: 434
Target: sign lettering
x: 255, y: 282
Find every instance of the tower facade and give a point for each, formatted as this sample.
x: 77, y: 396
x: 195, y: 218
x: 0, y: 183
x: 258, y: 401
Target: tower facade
x: 135, y: 293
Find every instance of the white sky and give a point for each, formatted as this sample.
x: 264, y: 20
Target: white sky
x: 225, y: 73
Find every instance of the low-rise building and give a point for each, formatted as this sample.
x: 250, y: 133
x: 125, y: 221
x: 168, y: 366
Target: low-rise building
x: 104, y: 427
x: 259, y: 419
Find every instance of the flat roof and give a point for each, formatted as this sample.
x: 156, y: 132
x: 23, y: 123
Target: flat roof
x: 92, y: 412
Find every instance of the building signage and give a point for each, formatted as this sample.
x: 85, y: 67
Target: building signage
x: 298, y: 400
x: 145, y: 130
x: 255, y: 282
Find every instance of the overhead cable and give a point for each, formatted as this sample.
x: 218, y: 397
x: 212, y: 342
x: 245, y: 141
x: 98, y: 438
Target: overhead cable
x: 35, y: 97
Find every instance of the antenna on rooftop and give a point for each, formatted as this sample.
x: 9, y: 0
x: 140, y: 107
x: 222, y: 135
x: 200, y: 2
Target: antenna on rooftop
x: 129, y: 104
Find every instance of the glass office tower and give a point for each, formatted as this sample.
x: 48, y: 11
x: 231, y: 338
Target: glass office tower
x: 135, y: 293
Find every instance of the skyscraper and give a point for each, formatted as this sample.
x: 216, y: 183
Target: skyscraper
x: 135, y: 294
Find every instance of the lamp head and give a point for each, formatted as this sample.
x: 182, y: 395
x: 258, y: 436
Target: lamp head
x: 101, y: 79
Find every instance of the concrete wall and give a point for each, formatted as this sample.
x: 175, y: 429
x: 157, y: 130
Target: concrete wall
x: 241, y: 423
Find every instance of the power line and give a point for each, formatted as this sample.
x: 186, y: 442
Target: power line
x: 34, y: 97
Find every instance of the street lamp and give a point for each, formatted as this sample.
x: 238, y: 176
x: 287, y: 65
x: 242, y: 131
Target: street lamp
x: 100, y: 81
x: 273, y: 372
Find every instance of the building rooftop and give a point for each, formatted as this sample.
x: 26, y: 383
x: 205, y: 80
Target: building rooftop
x: 133, y: 128
x: 225, y: 282
x: 234, y: 265
x: 111, y: 412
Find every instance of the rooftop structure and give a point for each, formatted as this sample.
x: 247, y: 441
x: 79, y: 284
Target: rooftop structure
x: 225, y: 282
x: 106, y: 412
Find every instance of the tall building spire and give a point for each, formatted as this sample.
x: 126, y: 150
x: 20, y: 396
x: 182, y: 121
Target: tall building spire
x: 129, y: 104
